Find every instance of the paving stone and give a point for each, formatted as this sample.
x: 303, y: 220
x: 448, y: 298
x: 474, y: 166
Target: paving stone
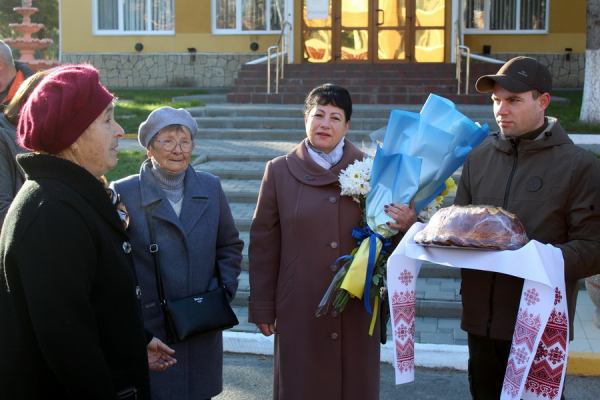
x: 437, y: 338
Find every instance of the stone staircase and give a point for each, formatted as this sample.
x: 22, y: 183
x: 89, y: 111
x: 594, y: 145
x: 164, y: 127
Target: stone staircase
x: 368, y: 83
x: 236, y: 141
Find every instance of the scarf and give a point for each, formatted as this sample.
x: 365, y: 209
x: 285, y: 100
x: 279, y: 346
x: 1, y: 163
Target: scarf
x: 115, y: 198
x: 326, y: 160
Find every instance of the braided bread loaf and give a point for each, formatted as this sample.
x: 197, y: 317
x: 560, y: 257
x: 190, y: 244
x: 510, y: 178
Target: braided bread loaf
x: 482, y: 227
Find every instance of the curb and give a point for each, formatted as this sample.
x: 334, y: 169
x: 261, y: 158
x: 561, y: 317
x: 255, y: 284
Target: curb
x: 426, y: 355
x: 580, y: 363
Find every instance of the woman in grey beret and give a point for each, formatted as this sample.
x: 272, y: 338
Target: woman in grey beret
x: 195, y: 232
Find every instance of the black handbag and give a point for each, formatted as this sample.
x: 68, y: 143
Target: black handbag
x: 192, y: 316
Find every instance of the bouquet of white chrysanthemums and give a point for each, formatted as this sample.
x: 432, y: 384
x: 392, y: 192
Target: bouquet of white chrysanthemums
x: 355, y: 180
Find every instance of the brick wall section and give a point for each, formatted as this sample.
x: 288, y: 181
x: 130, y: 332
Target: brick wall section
x: 164, y: 70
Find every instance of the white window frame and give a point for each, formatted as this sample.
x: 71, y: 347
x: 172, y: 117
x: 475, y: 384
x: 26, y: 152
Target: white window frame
x: 238, y: 20
x: 121, y: 32
x: 488, y: 31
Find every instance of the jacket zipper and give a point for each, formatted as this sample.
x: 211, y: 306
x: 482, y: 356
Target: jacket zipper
x: 504, y: 205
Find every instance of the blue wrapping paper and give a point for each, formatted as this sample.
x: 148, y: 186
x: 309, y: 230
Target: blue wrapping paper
x: 419, y: 152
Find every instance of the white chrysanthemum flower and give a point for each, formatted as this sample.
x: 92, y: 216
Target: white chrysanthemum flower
x: 355, y: 179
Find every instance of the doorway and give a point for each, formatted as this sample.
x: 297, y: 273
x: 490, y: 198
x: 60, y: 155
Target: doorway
x: 374, y: 31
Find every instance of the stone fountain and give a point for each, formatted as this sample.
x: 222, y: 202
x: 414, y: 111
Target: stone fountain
x: 28, y: 45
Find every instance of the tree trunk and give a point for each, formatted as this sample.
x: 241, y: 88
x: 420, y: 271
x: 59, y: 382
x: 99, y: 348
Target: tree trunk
x: 590, y: 107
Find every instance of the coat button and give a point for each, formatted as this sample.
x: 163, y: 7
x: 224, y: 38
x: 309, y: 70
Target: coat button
x: 333, y: 199
x: 335, y: 314
x: 127, y: 247
x: 334, y: 267
x: 334, y: 336
x: 333, y: 245
x: 138, y: 292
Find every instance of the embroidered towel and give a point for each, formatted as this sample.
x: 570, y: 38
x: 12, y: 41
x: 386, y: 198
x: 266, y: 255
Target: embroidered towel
x: 538, y: 357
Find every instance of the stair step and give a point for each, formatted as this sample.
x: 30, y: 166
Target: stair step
x: 293, y: 135
x: 280, y: 123
x: 295, y: 110
x: 367, y: 83
x: 249, y: 170
x: 357, y: 98
x: 242, y: 214
x: 241, y: 190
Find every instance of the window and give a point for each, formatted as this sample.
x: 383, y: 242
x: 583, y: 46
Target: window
x: 505, y: 16
x: 247, y: 16
x: 155, y: 17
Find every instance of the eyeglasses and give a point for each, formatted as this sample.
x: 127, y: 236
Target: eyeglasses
x: 170, y: 144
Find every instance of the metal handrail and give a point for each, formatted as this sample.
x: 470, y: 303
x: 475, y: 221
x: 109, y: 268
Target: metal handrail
x: 459, y: 54
x: 280, y: 44
x: 460, y: 47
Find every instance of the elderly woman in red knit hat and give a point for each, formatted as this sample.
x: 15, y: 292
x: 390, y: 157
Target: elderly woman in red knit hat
x: 69, y: 300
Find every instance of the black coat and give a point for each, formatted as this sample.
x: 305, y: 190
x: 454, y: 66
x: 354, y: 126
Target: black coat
x: 71, y: 324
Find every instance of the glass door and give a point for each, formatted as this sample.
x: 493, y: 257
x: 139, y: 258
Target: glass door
x: 430, y: 29
x: 392, y: 31
x: 374, y: 31
x: 354, y: 28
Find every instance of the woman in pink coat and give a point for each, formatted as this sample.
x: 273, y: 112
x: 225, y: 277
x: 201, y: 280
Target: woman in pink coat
x: 301, y: 226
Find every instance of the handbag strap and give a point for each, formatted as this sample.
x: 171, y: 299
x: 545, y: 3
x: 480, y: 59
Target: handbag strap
x: 154, y: 251
x: 159, y: 285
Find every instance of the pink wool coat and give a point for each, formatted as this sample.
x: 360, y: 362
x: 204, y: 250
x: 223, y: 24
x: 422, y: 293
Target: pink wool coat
x: 301, y: 226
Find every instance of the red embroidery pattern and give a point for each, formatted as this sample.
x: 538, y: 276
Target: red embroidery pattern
x: 403, y: 306
x: 546, y: 372
x: 405, y: 277
x: 513, y: 378
x: 531, y: 296
x: 405, y: 355
x: 526, y: 330
x: 557, y: 296
x: 405, y: 331
x: 403, y: 310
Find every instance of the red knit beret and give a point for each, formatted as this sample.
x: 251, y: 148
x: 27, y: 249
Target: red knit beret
x: 61, y: 108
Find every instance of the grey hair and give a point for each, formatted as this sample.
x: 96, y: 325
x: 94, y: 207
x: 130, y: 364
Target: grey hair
x: 6, y: 54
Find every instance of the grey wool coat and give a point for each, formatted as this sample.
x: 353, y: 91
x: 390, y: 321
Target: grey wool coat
x: 190, y: 247
x: 301, y: 226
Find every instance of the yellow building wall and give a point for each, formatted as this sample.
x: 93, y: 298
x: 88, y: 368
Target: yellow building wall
x: 192, y: 29
x: 566, y: 29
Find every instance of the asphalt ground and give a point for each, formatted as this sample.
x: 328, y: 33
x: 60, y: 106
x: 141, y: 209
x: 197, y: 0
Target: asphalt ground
x: 250, y: 377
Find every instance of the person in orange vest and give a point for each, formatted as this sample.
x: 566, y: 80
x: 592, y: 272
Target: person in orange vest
x: 12, y: 74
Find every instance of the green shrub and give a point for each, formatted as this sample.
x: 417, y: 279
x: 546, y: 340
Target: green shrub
x: 134, y: 106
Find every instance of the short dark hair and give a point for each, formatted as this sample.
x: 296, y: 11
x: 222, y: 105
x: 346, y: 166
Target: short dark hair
x: 536, y: 94
x: 329, y: 94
